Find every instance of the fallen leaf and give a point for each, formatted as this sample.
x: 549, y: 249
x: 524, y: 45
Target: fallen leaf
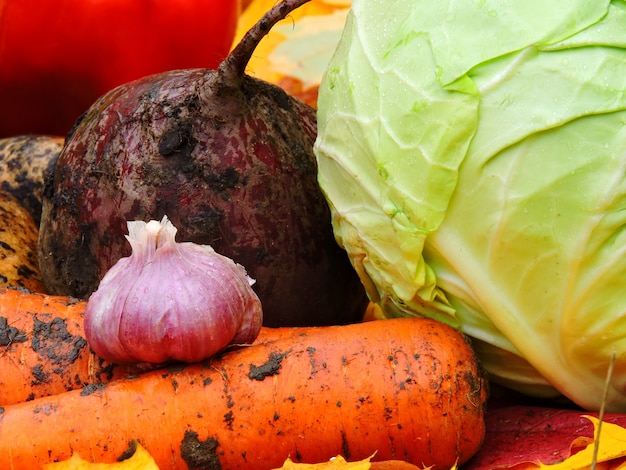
x: 140, y: 460
x: 307, y: 46
x: 611, y: 446
x: 339, y: 463
x: 519, y: 437
x: 335, y: 463
x: 296, y: 52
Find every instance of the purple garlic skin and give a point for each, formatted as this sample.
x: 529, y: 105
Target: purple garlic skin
x: 232, y: 168
x: 170, y: 301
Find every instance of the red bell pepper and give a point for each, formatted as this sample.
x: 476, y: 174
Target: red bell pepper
x: 58, y: 56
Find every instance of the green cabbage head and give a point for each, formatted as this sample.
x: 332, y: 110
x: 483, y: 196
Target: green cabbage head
x: 473, y: 153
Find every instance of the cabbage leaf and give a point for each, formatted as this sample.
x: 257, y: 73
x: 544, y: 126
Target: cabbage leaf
x: 473, y: 154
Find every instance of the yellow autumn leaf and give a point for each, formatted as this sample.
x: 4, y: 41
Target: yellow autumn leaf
x: 612, y: 446
x: 335, y: 463
x: 297, y: 50
x: 140, y: 460
x: 339, y: 463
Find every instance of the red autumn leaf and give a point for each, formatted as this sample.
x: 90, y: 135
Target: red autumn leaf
x: 520, y: 434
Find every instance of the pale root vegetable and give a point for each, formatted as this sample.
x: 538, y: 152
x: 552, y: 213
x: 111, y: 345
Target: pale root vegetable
x: 18, y: 246
x: 25, y: 160
x: 404, y: 389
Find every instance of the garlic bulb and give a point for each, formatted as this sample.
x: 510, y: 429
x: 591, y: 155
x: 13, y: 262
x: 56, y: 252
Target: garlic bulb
x: 170, y: 301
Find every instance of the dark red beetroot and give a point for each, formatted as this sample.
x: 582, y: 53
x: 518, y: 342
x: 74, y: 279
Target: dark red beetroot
x: 229, y: 160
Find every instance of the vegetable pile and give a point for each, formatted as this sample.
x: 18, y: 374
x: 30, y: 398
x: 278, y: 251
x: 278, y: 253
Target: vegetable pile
x: 230, y: 159
x: 473, y: 154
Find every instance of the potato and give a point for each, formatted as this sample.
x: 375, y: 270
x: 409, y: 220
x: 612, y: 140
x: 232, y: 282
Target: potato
x: 18, y: 246
x: 26, y: 159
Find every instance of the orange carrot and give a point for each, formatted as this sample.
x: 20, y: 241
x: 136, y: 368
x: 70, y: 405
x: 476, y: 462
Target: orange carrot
x: 405, y: 389
x: 43, y: 350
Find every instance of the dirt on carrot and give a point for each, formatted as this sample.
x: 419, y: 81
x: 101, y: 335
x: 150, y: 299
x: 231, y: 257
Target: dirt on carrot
x: 404, y: 389
x: 43, y: 350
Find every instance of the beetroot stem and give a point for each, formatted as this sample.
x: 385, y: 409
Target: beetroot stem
x: 232, y: 70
